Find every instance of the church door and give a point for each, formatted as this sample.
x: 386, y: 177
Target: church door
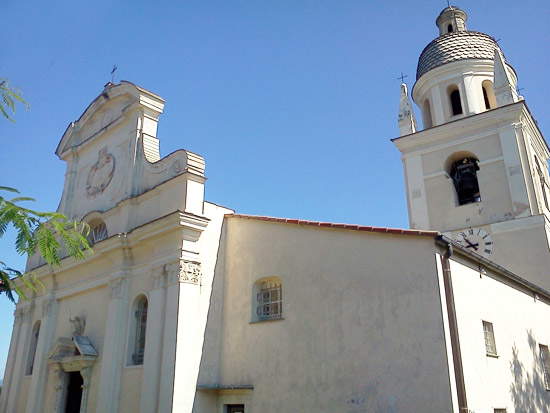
x: 74, y: 392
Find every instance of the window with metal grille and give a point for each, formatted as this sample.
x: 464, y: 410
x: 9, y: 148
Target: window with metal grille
x: 269, y: 300
x: 490, y: 344
x: 98, y: 232
x: 545, y: 361
x: 140, y: 329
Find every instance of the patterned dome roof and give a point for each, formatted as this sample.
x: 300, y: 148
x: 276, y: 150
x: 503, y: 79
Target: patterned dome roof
x: 451, y: 47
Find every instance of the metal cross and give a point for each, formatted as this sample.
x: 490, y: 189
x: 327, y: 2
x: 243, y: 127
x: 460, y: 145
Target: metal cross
x: 113, y: 73
x: 402, y: 77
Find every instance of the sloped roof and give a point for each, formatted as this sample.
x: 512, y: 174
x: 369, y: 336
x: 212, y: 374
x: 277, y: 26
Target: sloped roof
x: 385, y: 230
x: 451, y: 47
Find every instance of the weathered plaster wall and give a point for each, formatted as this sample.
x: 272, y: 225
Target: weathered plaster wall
x: 362, y: 330
x: 514, y: 379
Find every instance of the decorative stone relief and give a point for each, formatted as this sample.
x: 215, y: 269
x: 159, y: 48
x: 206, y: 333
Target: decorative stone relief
x: 79, y: 324
x: 184, y: 271
x: 117, y: 287
x: 100, y: 174
x: 190, y: 272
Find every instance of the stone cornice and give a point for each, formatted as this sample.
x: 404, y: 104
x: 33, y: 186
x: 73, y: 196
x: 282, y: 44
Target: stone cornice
x: 466, y: 126
x: 174, y: 221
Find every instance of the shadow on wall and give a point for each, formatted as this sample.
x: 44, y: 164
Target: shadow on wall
x: 528, y: 389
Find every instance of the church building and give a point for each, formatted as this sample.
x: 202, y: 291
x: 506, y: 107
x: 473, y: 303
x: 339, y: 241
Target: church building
x: 186, y: 306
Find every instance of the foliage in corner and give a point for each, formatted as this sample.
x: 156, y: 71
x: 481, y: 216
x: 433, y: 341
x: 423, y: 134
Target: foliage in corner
x: 9, y: 97
x: 50, y: 234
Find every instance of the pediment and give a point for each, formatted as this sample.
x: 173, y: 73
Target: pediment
x: 107, y: 109
x: 78, y: 347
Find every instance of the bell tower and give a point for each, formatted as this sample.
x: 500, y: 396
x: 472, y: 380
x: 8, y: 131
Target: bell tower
x: 478, y: 169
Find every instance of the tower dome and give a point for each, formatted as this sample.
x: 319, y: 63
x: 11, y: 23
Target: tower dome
x: 455, y: 76
x: 454, y: 46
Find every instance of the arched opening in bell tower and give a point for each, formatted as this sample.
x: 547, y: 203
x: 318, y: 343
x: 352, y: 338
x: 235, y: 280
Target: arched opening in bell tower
x: 427, y: 115
x: 462, y: 168
x: 488, y: 95
x: 454, y: 97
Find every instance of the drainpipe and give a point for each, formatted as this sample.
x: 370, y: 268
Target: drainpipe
x: 453, y: 325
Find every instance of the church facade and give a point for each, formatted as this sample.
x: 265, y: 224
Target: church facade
x: 186, y: 306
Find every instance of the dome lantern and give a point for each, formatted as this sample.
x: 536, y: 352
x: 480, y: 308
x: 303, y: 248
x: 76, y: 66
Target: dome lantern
x: 450, y: 20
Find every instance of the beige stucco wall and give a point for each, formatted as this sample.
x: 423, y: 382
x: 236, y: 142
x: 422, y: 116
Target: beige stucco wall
x: 514, y: 380
x: 362, y: 327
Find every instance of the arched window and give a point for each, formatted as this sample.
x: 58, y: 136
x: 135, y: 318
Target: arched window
x: 268, y: 299
x: 488, y: 94
x: 463, y: 172
x: 450, y: 28
x: 138, y: 331
x: 98, y: 231
x: 427, y: 114
x: 32, y: 348
x: 456, y: 103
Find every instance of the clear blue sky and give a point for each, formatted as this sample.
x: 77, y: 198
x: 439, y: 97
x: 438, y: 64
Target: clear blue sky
x: 292, y: 103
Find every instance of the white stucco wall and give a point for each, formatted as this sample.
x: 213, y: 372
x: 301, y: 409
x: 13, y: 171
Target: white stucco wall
x: 362, y: 328
x: 513, y: 380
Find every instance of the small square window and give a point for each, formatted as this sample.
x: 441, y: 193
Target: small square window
x: 269, y: 301
x: 234, y: 408
x: 490, y: 344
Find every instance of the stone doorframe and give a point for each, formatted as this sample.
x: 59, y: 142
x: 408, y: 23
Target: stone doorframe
x: 64, y: 359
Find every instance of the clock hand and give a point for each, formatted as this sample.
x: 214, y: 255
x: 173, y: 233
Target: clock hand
x: 470, y: 245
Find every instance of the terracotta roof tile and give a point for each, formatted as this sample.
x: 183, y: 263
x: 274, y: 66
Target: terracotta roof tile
x: 384, y: 230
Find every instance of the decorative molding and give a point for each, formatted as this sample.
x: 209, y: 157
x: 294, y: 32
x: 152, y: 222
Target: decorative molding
x: 117, y: 286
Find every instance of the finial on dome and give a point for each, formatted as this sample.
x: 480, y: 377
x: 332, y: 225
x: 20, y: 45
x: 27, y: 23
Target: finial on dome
x: 451, y: 19
x: 406, y: 119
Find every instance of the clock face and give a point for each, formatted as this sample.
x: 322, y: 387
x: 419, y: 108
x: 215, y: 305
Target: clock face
x: 476, y: 240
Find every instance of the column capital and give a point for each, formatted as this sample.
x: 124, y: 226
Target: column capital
x: 47, y: 306
x: 118, y: 286
x: 184, y: 271
x: 158, y: 278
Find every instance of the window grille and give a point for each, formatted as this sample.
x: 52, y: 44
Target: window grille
x: 545, y: 361
x: 98, y: 232
x: 490, y: 344
x: 499, y: 410
x: 141, y: 326
x: 269, y: 301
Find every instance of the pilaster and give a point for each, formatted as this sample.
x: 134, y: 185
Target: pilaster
x: 45, y: 341
x: 152, y: 361
x: 189, y: 336
x: 9, y: 372
x: 25, y: 314
x: 113, y: 345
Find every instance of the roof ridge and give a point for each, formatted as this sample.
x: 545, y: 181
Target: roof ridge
x: 354, y: 227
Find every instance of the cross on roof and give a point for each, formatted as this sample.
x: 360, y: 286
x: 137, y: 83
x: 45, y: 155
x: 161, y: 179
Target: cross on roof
x: 113, y: 73
x: 402, y: 77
